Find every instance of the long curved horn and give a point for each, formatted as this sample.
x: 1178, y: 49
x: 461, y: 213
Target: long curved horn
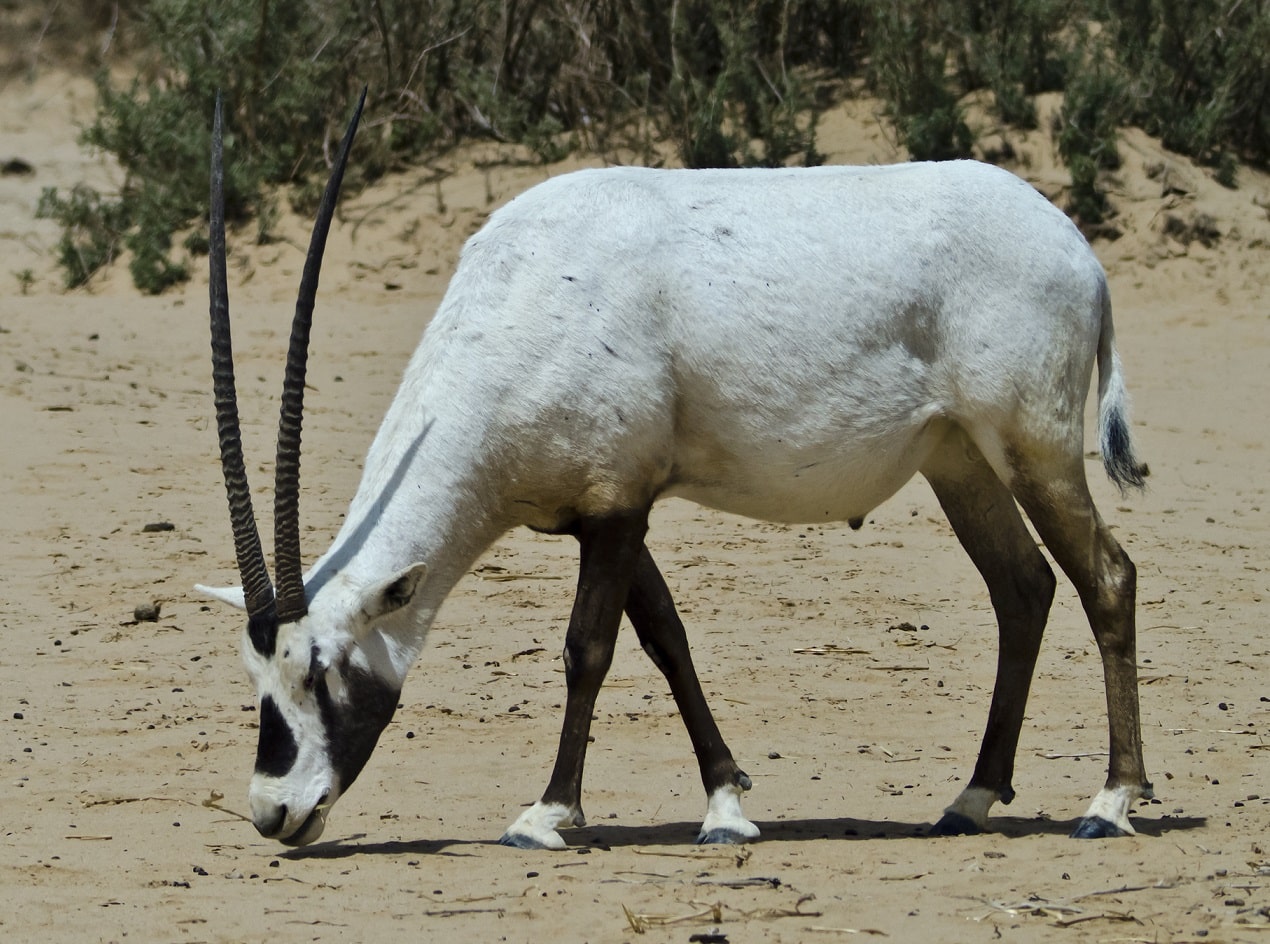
x: 292, y: 604
x: 257, y: 590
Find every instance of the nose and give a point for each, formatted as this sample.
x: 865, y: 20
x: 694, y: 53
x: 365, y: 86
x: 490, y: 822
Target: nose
x: 269, y: 821
x: 289, y: 824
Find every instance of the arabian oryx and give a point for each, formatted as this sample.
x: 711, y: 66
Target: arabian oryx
x: 786, y: 344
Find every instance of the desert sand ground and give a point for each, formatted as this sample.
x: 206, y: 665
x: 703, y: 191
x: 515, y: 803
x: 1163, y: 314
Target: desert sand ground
x: 850, y: 671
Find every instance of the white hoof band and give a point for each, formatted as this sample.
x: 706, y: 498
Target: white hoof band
x: 972, y: 804
x: 724, y: 822
x: 1108, y: 814
x: 536, y: 827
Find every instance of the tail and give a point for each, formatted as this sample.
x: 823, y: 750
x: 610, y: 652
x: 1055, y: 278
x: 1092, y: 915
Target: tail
x: 1113, y: 410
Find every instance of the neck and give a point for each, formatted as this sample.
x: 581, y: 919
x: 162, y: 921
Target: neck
x: 424, y: 498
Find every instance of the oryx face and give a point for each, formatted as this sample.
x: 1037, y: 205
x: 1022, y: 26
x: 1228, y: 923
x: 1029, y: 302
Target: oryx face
x: 322, y: 708
x: 327, y: 684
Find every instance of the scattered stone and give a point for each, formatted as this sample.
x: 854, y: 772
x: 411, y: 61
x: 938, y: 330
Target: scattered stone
x: 15, y: 167
x: 146, y: 612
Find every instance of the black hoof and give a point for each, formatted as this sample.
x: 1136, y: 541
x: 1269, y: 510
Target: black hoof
x: 955, y: 824
x: 722, y: 837
x: 1095, y: 827
x: 520, y: 841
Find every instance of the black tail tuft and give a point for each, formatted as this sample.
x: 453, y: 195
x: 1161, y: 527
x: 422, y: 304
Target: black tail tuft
x: 1117, y: 454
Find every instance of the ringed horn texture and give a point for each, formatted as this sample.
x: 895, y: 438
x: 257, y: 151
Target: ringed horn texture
x: 266, y: 610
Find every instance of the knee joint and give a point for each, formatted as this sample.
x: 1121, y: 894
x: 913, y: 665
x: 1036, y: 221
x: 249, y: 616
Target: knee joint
x: 583, y: 658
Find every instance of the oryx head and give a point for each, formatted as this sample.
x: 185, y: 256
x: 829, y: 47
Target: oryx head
x: 324, y: 695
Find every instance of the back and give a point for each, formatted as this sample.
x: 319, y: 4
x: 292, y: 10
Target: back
x: 767, y: 336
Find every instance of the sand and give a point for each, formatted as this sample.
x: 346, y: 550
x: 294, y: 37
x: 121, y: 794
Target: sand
x: 850, y: 671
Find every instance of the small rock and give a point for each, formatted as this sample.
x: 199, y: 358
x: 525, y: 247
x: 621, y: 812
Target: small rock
x: 15, y: 167
x: 146, y: 612
x: 155, y: 526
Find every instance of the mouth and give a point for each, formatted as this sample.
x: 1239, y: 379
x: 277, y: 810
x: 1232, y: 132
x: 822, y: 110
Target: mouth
x: 311, y: 828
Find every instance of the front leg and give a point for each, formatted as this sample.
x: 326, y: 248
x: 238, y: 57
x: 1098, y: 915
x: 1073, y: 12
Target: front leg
x: 610, y: 551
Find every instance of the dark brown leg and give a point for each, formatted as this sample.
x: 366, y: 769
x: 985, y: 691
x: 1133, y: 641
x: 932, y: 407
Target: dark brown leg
x: 610, y: 550
x: 661, y: 632
x: 1064, y: 515
x: 1021, y: 585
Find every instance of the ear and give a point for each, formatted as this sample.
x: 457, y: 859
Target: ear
x: 231, y: 595
x: 392, y: 594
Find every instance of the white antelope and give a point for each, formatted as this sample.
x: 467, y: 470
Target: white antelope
x: 792, y: 345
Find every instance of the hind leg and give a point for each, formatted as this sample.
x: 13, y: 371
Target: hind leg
x: 661, y: 632
x: 1058, y: 502
x: 1020, y: 583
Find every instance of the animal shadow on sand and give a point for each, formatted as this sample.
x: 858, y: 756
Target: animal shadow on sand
x: 681, y: 834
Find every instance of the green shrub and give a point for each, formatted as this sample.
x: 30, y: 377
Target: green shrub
x: 92, y: 230
x: 1200, y: 74
x: 909, y: 69
x: 1016, y: 48
x: 277, y: 66
x: 731, y: 89
x: 728, y: 82
x: 541, y: 73
x: 1094, y: 106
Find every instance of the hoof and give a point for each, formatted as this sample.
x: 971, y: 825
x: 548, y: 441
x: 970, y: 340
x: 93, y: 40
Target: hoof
x: 955, y: 824
x: 722, y: 837
x: 1095, y: 827
x: 521, y: 841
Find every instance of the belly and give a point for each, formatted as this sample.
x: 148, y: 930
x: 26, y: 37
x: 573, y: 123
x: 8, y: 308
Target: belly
x: 803, y: 483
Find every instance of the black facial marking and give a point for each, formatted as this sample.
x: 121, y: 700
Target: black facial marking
x: 276, y: 750
x: 262, y: 630
x: 353, y: 729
